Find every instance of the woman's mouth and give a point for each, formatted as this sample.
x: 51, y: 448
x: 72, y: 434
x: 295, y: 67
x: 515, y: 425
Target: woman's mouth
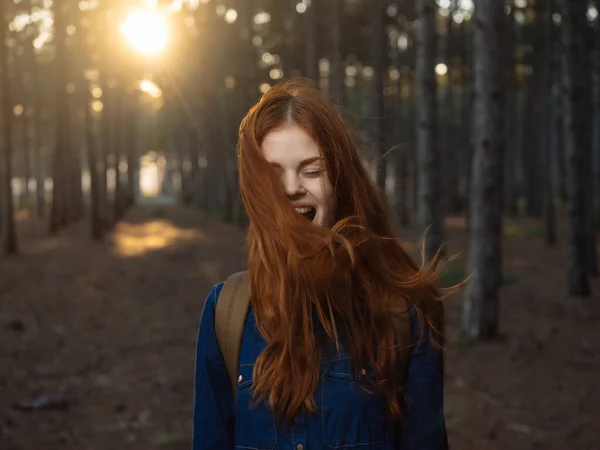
x: 307, y: 212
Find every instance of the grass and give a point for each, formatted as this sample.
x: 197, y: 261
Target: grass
x: 512, y: 230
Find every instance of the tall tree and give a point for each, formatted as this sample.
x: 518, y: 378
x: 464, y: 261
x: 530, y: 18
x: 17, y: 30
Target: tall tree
x: 429, y: 199
x: 117, y: 153
x: 38, y: 158
x: 131, y: 146
x: 596, y: 157
x: 106, y: 140
x: 576, y: 107
x: 447, y: 135
x: 480, y: 313
x: 546, y: 10
x: 467, y: 113
x: 9, y: 238
x: 97, y: 226
x: 312, y: 62
x: 512, y: 109
x: 400, y: 135
x: 336, y: 76
x: 379, y: 53
x: 60, y: 163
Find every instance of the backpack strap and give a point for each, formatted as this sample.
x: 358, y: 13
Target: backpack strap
x: 230, y: 320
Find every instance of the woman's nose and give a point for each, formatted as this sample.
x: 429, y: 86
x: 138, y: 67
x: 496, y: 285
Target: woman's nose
x: 291, y: 184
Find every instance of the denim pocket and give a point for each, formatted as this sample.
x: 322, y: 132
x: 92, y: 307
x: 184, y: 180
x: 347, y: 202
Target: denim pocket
x: 255, y: 427
x: 353, y: 411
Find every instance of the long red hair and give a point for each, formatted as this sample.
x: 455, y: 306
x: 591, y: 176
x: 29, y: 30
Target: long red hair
x: 354, y: 277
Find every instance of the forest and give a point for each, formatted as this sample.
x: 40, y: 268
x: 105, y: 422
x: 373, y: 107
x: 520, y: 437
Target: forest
x: 479, y: 120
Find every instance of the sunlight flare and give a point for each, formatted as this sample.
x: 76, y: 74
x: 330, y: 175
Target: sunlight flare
x: 150, y: 88
x: 146, y: 31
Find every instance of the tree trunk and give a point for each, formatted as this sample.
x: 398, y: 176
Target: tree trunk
x: 548, y: 125
x: 248, y: 67
x: 451, y: 204
x: 119, y: 116
x: 38, y: 159
x: 25, y: 148
x: 228, y: 148
x: 106, y: 145
x: 312, y: 62
x: 561, y: 157
x: 429, y: 207
x: 132, y: 149
x: 596, y: 157
x: 576, y: 107
x: 512, y: 108
x: 401, y: 181
x: 401, y: 186
x: 467, y: 118
x: 9, y: 237
x: 182, y: 144
x: 60, y: 172
x: 76, y: 191
x: 97, y: 227
x: 480, y: 313
x: 194, y: 141
x: 533, y: 138
x: 337, y: 75
x: 379, y: 52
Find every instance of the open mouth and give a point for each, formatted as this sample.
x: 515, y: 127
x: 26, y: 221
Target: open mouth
x: 307, y: 212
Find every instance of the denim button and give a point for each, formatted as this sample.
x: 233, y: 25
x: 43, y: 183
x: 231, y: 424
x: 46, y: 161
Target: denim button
x: 299, y: 447
x: 240, y: 378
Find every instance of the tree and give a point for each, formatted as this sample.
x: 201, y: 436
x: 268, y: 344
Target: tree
x: 9, y: 241
x: 480, y: 313
x: 336, y: 76
x: 448, y: 108
x: 546, y: 11
x: 429, y: 198
x: 60, y: 163
x: 131, y: 146
x: 576, y: 107
x: 312, y: 69
x: 379, y: 46
x: 37, y: 120
x: 97, y: 225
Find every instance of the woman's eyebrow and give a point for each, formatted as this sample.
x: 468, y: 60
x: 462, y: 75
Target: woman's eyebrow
x: 303, y: 163
x: 308, y: 161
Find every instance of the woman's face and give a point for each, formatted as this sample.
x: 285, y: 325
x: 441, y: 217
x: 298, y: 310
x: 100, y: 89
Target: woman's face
x: 297, y: 159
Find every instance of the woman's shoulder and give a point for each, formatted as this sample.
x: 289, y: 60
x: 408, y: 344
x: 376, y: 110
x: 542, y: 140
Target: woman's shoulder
x: 237, y: 284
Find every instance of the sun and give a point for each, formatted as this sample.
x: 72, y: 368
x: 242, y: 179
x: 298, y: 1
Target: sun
x: 146, y: 31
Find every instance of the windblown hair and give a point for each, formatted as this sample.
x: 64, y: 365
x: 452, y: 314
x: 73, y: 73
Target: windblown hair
x: 354, y: 277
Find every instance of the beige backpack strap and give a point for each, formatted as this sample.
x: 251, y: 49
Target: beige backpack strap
x: 230, y: 320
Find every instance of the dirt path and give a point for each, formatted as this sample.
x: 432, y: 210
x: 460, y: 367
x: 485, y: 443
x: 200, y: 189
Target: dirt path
x: 104, y: 335
x: 109, y: 329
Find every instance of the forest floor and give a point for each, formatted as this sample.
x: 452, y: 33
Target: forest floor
x: 97, y: 341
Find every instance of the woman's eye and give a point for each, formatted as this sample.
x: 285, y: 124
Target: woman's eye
x: 312, y: 173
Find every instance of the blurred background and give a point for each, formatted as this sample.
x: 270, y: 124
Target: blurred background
x: 479, y: 119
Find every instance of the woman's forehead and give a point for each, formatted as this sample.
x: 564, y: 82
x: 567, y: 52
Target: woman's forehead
x: 290, y: 143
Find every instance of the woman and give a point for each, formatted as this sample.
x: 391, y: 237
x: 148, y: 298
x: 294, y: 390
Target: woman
x: 321, y: 362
